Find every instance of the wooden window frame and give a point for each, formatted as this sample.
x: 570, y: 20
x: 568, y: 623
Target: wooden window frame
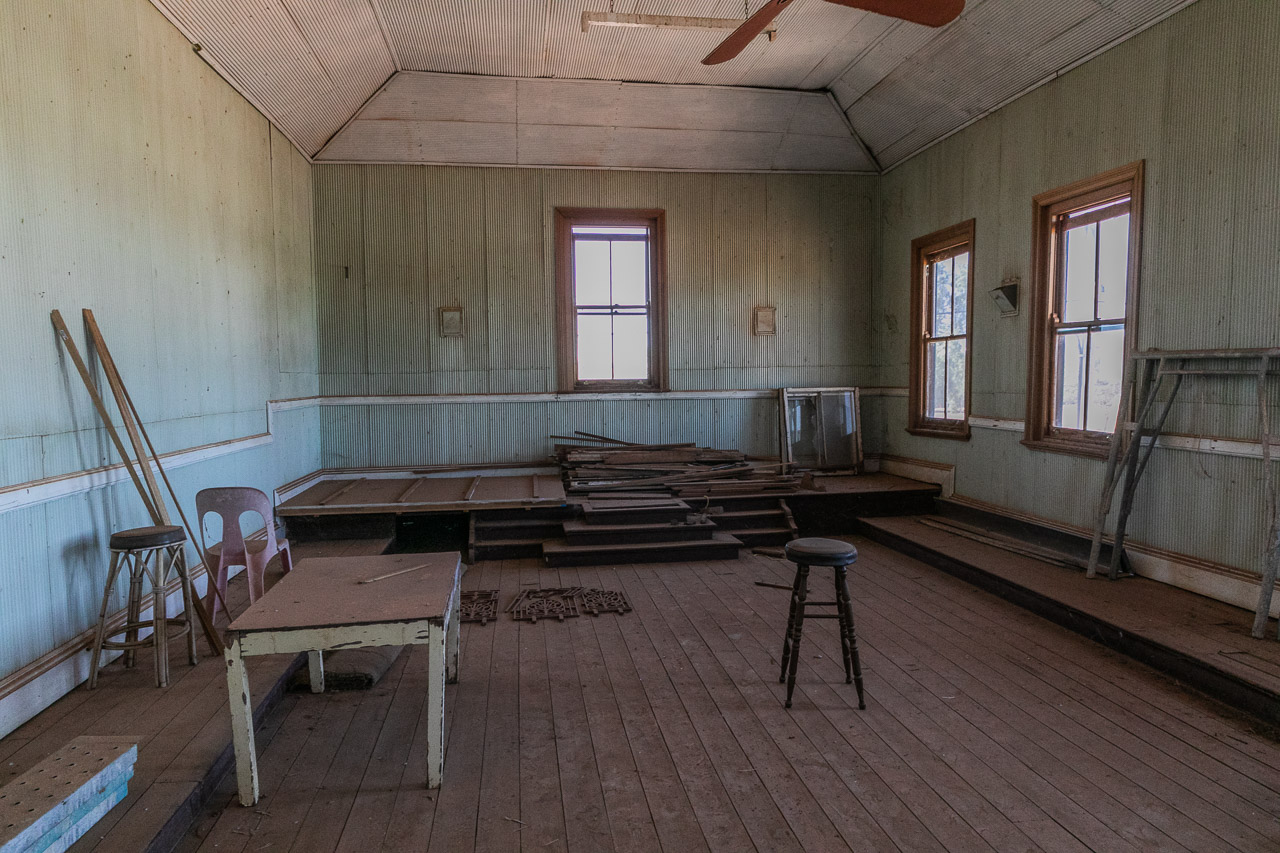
x: 922, y: 250
x: 1047, y: 207
x: 566, y: 314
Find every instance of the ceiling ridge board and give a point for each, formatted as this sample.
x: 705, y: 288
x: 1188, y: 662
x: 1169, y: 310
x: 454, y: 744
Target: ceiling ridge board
x: 609, y: 82
x: 561, y: 167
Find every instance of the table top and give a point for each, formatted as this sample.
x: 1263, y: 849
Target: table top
x: 323, y: 592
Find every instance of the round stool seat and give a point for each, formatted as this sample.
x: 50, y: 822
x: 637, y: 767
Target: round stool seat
x: 147, y: 537
x: 821, y: 552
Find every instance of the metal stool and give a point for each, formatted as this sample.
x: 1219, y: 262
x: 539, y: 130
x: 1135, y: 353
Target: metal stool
x: 156, y: 553
x: 838, y: 555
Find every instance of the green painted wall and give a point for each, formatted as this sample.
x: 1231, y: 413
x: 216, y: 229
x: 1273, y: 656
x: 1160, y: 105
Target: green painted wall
x: 1197, y: 97
x: 135, y: 182
x: 393, y: 244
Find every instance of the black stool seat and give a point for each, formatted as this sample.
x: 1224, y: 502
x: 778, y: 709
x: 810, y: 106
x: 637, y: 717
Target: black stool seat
x: 147, y: 537
x: 821, y: 552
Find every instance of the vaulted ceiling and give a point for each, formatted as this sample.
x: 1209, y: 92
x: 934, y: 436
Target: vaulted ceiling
x: 517, y: 82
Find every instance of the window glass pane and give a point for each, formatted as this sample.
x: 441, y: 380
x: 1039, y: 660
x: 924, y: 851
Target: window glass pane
x: 591, y: 272
x: 630, y: 272
x: 935, y: 381
x: 1070, y: 357
x: 1106, y: 369
x: 631, y: 346
x: 955, y: 380
x: 595, y: 346
x: 941, y: 271
x: 1078, y: 258
x: 960, y: 289
x: 1113, y: 266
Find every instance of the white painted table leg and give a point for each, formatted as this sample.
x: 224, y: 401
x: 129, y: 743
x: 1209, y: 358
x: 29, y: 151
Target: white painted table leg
x: 452, y: 642
x: 435, y: 706
x: 315, y: 668
x: 242, y: 724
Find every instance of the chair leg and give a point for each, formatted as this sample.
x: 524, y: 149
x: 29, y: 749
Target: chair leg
x: 286, y: 558
x: 256, y: 568
x: 100, y: 634
x: 802, y: 584
x: 791, y: 621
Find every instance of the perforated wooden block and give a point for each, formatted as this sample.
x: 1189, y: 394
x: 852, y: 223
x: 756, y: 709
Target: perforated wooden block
x: 51, y: 805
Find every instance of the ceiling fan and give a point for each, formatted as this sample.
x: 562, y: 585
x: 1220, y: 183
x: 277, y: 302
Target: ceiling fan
x: 931, y: 13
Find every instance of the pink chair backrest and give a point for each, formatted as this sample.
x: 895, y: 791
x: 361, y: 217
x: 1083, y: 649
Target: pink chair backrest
x: 229, y: 503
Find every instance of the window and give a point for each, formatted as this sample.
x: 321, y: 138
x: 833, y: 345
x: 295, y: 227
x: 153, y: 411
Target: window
x: 610, y: 275
x: 1085, y: 273
x: 942, y: 267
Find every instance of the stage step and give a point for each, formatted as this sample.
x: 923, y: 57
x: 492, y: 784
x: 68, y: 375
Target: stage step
x: 581, y: 533
x: 720, y: 546
x: 635, y: 512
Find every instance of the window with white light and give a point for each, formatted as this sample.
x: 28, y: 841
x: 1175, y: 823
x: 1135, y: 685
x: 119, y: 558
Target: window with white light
x: 610, y: 273
x: 1086, y: 250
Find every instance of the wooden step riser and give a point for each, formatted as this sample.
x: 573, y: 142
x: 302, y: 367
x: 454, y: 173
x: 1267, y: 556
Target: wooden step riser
x: 506, y: 550
x: 667, y: 533
x: 502, y: 533
x: 636, y: 516
x: 678, y: 553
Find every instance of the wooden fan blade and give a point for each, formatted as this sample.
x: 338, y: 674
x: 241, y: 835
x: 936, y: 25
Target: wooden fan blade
x: 742, y: 36
x: 931, y: 13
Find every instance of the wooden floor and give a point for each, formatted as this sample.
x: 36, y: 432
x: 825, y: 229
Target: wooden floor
x: 987, y: 728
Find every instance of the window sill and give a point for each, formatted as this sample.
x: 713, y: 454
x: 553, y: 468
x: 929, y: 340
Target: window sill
x: 1087, y: 445
x: 955, y: 432
x: 613, y: 388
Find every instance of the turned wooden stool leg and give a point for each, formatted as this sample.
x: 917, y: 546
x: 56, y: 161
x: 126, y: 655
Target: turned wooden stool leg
x: 847, y: 627
x: 791, y: 623
x: 802, y: 583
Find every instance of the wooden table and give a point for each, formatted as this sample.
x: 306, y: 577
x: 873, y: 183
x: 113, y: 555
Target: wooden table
x: 323, y: 604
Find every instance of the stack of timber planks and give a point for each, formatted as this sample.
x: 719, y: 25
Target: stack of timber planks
x: 596, y: 464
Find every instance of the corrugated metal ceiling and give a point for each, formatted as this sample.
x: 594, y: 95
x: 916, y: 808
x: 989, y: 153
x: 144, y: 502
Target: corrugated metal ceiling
x: 310, y: 65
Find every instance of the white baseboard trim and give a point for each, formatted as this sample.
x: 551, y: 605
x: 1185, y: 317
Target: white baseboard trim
x: 923, y: 470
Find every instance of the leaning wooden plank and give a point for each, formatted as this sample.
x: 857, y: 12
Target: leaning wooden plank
x: 72, y: 350
x: 45, y: 808
x: 133, y: 423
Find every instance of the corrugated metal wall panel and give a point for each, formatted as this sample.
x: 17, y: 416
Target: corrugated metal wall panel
x: 734, y: 242
x: 137, y: 183
x: 1197, y: 97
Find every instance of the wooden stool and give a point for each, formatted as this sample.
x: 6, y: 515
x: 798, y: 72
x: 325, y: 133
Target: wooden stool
x: 838, y: 555
x: 155, y: 553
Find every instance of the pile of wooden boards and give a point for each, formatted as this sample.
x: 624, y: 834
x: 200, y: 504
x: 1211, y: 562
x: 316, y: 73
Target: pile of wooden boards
x: 56, y: 802
x: 597, y: 465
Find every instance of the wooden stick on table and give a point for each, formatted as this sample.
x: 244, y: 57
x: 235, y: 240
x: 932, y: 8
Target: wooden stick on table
x: 393, y: 574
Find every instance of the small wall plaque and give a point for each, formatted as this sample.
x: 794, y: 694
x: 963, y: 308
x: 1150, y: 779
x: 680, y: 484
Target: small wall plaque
x: 764, y: 320
x: 450, y: 322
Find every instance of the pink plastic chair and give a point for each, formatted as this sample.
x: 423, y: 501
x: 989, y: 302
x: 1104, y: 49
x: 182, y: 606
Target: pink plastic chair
x: 229, y: 503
